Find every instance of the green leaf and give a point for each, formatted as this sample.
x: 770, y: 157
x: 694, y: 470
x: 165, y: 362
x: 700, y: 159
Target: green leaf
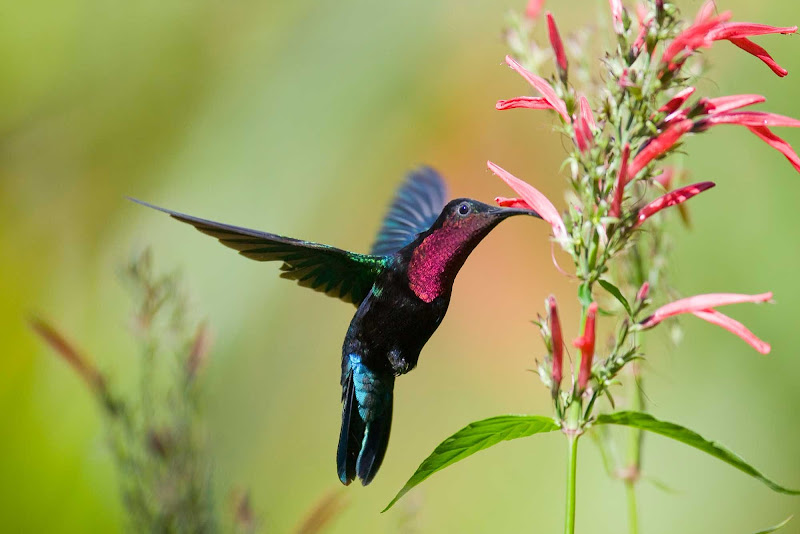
x: 614, y: 290
x: 776, y: 527
x: 473, y: 438
x: 647, y: 422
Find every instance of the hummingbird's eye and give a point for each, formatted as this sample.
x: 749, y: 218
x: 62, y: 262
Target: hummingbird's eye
x: 463, y: 209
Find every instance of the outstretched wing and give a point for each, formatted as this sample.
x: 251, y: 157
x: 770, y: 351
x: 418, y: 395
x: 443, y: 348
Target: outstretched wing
x: 335, y: 272
x: 416, y: 206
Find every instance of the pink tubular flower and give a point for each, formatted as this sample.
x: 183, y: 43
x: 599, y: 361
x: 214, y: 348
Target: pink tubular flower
x: 752, y: 48
x: 702, y: 306
x: 677, y: 101
x: 766, y: 135
x: 671, y: 199
x: 557, y: 342
x: 535, y: 200
x: 541, y: 85
x: 616, y: 15
x: 527, y: 102
x: 694, y: 37
x: 584, y: 125
x: 558, y: 46
x: 724, y: 104
x: 622, y: 180
x: 643, y: 292
x: 533, y: 9
x: 658, y: 146
x: 512, y: 203
x: 586, y: 345
x: 738, y: 33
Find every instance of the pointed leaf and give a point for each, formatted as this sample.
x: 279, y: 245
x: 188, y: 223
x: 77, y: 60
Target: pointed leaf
x: 473, y: 438
x: 776, y: 527
x: 617, y: 294
x: 647, y: 422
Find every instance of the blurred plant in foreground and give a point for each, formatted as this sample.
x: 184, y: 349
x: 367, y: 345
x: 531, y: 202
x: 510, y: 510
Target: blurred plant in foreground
x: 156, y: 434
x: 622, y: 122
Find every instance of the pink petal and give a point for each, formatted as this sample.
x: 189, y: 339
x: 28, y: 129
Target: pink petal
x: 527, y: 102
x: 658, y: 146
x: 744, y: 29
x: 622, y: 180
x: 643, y: 292
x: 616, y: 15
x: 534, y: 8
x: 752, y: 48
x: 706, y: 11
x: 700, y: 303
x: 672, y: 198
x: 536, y: 200
x: 555, y: 42
x: 734, y: 327
x: 751, y: 118
x: 724, y: 104
x: 777, y: 143
x: 541, y: 85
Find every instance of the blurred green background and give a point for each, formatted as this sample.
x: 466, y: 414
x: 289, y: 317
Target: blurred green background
x: 300, y: 118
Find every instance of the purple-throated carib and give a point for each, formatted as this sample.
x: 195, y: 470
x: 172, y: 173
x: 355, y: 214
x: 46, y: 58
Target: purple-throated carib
x: 402, y: 289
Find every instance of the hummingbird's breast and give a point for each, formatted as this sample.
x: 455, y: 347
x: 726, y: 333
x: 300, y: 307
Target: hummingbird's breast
x: 393, y: 324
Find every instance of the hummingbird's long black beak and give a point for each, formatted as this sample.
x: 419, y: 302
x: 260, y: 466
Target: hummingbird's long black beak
x: 504, y: 213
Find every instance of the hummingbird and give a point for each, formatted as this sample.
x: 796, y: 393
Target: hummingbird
x: 402, y: 289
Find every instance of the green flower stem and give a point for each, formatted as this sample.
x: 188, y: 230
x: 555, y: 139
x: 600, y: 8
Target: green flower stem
x: 572, y: 472
x: 633, y: 518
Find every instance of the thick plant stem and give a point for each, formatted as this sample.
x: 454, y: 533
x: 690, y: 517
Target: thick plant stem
x: 572, y: 471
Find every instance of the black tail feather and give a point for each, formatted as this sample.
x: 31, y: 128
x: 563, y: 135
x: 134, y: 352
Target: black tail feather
x: 376, y: 439
x: 350, y: 436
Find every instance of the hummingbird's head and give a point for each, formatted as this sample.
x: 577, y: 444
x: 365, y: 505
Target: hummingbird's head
x: 466, y: 216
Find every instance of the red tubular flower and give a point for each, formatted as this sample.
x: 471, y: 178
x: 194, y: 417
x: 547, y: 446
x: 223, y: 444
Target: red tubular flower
x: 616, y: 15
x: 533, y: 9
x: 527, y: 102
x: 558, y: 46
x: 658, y: 146
x: 694, y: 37
x: 752, y: 48
x: 724, y: 104
x: 677, y: 101
x: 766, y: 135
x: 584, y: 126
x: 671, y: 199
x: 586, y: 345
x: 732, y: 30
x: 557, y: 343
x: 643, y: 292
x: 535, y: 199
x: 748, y: 118
x: 702, y: 306
x: 738, y: 33
x: 541, y: 85
x: 622, y: 180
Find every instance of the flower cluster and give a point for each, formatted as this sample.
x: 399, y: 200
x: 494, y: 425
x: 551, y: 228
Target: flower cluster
x: 642, y: 113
